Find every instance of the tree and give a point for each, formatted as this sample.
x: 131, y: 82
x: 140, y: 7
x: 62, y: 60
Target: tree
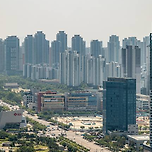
x: 12, y: 138
x: 90, y: 128
x: 53, y: 146
x: 64, y: 144
x: 26, y: 149
x: 82, y: 127
x: 10, y: 95
x: 140, y: 128
x: 71, y: 148
x: 3, y: 135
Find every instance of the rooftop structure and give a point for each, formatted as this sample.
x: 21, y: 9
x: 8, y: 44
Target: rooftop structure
x: 11, y: 85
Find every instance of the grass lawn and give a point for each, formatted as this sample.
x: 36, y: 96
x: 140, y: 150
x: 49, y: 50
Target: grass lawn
x: 3, y: 140
x: 40, y: 148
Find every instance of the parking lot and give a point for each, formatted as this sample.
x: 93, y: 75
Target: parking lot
x: 77, y: 122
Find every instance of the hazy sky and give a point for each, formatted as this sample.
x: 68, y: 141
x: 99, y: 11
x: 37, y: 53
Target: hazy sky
x: 92, y: 19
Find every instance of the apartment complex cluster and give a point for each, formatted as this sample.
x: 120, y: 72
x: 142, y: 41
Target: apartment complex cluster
x: 36, y: 58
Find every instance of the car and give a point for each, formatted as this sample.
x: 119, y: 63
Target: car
x: 66, y: 129
x: 48, y: 129
x: 96, y: 143
x: 48, y: 135
x: 63, y: 134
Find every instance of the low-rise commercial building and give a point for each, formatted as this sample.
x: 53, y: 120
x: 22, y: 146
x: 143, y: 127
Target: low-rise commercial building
x: 38, y: 99
x: 142, y: 102
x: 28, y: 98
x: 81, y: 100
x: 53, y: 102
x: 137, y: 140
x: 11, y: 85
x: 12, y: 118
x: 77, y: 103
x: 146, y: 147
x: 133, y: 129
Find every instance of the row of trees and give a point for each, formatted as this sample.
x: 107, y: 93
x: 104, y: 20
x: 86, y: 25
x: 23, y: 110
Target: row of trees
x: 49, y: 114
x: 71, y: 145
x: 60, y: 124
x: 114, y: 143
x: 4, y: 108
x: 36, y: 125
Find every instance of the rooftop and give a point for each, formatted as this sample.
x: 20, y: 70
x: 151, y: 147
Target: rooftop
x: 116, y: 79
x: 139, y: 137
x: 11, y: 84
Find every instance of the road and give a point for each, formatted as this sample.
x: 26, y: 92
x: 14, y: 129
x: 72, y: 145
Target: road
x: 53, y: 130
x: 90, y: 145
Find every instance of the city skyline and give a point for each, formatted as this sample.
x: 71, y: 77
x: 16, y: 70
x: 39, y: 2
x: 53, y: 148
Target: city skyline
x: 87, y: 43
x: 78, y: 62
x: 93, y: 20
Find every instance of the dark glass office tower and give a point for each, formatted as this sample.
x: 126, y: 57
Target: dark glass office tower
x: 119, y: 104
